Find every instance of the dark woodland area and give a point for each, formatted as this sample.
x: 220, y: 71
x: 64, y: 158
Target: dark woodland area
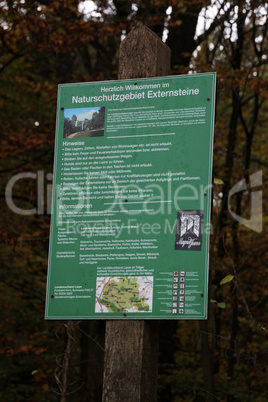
x: 45, y: 43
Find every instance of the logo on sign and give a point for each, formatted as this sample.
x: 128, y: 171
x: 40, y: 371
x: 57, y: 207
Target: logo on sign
x: 189, y: 222
x: 189, y: 230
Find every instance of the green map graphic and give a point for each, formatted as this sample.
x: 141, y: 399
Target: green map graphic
x: 124, y: 294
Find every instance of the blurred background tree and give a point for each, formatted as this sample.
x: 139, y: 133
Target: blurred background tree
x: 44, y: 43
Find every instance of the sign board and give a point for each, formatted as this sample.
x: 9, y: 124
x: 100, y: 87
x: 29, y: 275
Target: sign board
x: 131, y: 200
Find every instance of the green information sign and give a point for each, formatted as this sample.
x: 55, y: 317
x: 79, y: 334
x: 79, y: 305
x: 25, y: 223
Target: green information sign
x: 131, y: 200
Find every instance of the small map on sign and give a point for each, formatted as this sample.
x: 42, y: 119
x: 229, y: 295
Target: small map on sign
x: 124, y: 294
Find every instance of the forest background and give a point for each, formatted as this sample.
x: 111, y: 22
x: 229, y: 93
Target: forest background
x: 44, y: 43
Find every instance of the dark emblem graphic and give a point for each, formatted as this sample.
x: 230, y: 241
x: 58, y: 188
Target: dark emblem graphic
x: 189, y: 230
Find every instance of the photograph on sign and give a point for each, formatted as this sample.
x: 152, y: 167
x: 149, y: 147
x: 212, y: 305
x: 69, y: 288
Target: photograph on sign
x: 84, y: 122
x: 131, y: 199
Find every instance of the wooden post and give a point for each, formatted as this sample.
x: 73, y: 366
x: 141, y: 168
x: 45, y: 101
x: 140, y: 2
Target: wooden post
x: 143, y: 55
x: 131, y: 346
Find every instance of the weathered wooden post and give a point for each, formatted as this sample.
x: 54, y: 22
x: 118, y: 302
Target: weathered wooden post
x: 131, y: 347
